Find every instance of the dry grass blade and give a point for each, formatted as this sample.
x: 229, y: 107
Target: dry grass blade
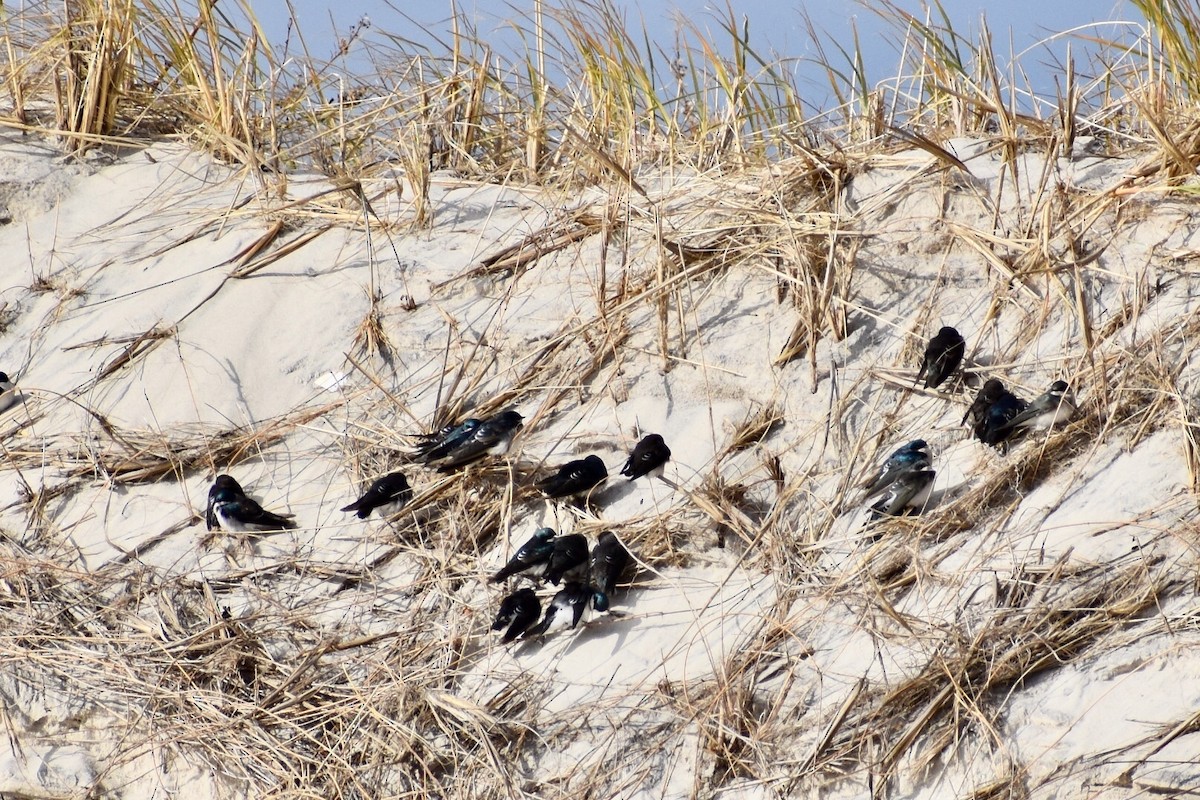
x: 1059, y: 623
x: 99, y: 39
x: 515, y: 259
x: 250, y: 261
x: 149, y: 456
x: 757, y: 425
x: 140, y: 345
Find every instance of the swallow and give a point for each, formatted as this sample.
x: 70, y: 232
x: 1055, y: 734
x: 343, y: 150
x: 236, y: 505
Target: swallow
x: 943, y: 354
x: 574, y: 477
x: 534, y: 553
x: 8, y: 392
x: 1055, y: 406
x: 907, y: 495
x: 388, y: 495
x: 234, y: 511
x: 437, y: 445
x: 909, y: 458
x: 568, y: 607
x: 569, y: 557
x: 609, y: 560
x: 493, y: 436
x: 994, y: 428
x: 518, y: 611
x: 649, y: 457
x: 219, y: 483
x: 988, y: 394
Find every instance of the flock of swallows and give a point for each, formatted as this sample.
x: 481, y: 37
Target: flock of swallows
x: 587, y: 578
x: 903, y: 485
x: 997, y: 416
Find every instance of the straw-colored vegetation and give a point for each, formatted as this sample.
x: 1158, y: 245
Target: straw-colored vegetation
x: 279, y: 704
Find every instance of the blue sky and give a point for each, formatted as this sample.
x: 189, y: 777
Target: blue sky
x: 1015, y: 24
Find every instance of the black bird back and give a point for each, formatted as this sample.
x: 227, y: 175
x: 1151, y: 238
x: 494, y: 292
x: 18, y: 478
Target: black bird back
x: 943, y: 355
x: 537, y: 550
x: 648, y: 455
x: 609, y: 561
x: 518, y: 611
x: 570, y: 552
x: 994, y: 429
x: 989, y: 393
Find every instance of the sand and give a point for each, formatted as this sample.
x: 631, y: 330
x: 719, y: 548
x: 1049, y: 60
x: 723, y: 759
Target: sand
x: 797, y: 664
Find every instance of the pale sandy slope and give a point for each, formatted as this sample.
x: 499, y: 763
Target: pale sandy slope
x: 814, y: 626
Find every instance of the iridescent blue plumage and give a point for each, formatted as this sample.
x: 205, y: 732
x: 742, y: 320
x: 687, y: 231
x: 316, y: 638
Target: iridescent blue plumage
x: 437, y: 445
x: 234, y: 511
x: 906, y: 495
x: 491, y: 437
x: 988, y: 394
x: 534, y: 553
x: 995, y: 426
x: 911, y: 457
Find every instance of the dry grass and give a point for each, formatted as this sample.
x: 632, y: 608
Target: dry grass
x: 296, y: 698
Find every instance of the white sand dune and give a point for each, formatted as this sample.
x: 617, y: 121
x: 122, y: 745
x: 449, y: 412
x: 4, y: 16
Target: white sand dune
x: 145, y: 335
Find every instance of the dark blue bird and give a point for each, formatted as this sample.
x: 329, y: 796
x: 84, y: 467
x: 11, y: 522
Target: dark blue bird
x: 574, y: 477
x: 219, y: 483
x: 387, y: 495
x: 518, y: 611
x: 988, y: 394
x: 943, y: 355
x: 995, y: 428
x: 234, y: 511
x: 438, y: 445
x: 649, y: 457
x: 568, y: 558
x: 906, y: 495
x: 534, y: 553
x: 909, y: 458
x: 492, y: 437
x: 568, y: 607
x: 609, y: 560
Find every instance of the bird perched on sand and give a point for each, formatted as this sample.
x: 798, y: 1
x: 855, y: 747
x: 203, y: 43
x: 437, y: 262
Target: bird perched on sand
x: 219, y: 483
x: 518, y: 611
x: 493, y: 436
x: 908, y: 494
x: 8, y: 392
x: 234, y: 511
x: 609, y: 560
x: 988, y: 394
x: 530, y: 557
x: 569, y: 558
x: 574, y: 478
x: 1055, y: 406
x: 569, y: 607
x: 993, y: 428
x: 649, y: 457
x: 387, y: 495
x: 943, y: 355
x: 434, y: 446
x: 912, y: 457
